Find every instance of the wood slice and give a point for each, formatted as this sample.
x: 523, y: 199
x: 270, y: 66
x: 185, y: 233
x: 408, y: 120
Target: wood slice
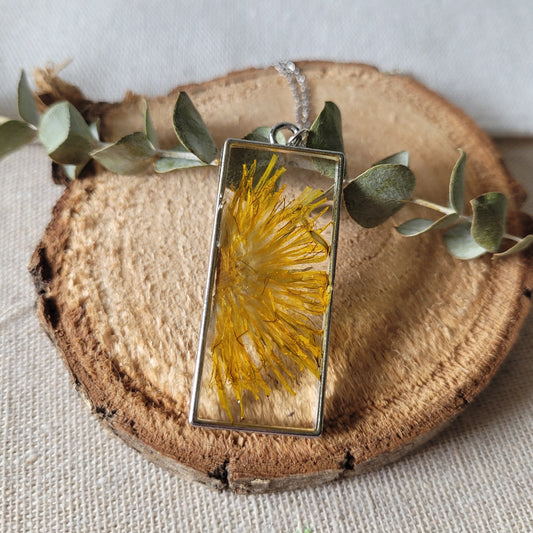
x: 416, y: 334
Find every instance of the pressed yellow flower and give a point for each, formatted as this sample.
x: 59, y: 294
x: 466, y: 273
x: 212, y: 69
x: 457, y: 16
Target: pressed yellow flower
x: 270, y: 297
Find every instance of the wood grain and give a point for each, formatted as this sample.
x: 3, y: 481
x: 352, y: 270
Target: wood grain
x: 416, y: 334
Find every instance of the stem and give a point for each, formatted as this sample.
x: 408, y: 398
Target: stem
x: 449, y: 211
x: 512, y: 237
x: 431, y: 205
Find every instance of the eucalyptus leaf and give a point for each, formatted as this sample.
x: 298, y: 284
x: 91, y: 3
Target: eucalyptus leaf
x: 94, y: 128
x: 72, y: 171
x: 378, y: 193
x: 461, y: 244
x: 488, y: 222
x: 192, y: 131
x: 417, y: 226
x: 14, y: 134
x: 326, y: 134
x: 239, y: 158
x: 168, y: 164
x: 26, y: 103
x: 262, y: 134
x: 399, y: 158
x: 133, y: 154
x: 65, y: 134
x: 247, y: 157
x: 457, y: 184
x: 518, y: 247
x: 326, y: 131
x: 149, y: 126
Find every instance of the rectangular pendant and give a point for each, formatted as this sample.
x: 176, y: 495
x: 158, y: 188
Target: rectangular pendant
x: 264, y: 338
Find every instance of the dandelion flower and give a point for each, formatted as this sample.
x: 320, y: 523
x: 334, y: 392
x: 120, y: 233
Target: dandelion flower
x: 271, y: 294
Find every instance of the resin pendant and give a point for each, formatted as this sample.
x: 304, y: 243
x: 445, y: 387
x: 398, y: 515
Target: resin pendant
x: 264, y: 338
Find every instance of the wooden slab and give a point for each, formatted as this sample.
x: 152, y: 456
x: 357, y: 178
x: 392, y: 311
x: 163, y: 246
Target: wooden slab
x: 415, y: 335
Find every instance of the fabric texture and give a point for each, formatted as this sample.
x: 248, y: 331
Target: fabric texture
x: 59, y: 470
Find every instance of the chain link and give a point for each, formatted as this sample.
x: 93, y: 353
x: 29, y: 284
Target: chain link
x: 298, y: 85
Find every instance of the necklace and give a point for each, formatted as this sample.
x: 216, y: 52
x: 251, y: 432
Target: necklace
x: 298, y: 85
x: 266, y: 314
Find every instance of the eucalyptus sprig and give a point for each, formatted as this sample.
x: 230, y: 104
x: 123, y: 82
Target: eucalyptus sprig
x: 371, y: 198
x: 71, y: 142
x: 388, y: 186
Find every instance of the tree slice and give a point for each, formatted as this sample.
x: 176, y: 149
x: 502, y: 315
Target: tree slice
x: 416, y: 334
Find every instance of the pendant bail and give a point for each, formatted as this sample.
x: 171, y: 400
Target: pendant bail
x: 298, y: 134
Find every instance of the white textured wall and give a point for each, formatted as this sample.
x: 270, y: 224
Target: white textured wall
x: 477, y: 53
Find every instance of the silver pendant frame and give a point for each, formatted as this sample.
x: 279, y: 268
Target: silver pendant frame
x: 337, y: 158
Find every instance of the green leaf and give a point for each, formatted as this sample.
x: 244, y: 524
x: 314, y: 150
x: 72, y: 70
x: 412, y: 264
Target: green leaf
x: 133, y: 154
x: 72, y: 171
x: 461, y: 244
x: 168, y: 164
x: 518, y: 247
x: 262, y: 134
x: 417, y: 226
x: 399, y: 158
x: 26, y: 103
x: 192, y: 131
x: 488, y: 222
x: 326, y: 134
x: 149, y: 126
x: 94, y: 128
x: 326, y: 131
x: 457, y: 184
x: 65, y: 134
x: 378, y: 193
x: 14, y: 134
x: 246, y: 157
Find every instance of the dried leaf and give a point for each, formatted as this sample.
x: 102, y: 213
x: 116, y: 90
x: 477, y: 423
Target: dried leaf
x: 417, y: 226
x: 72, y: 171
x: 261, y: 157
x: 518, y: 247
x: 326, y: 131
x: 133, y: 154
x: 14, y: 134
x: 65, y: 134
x: 94, y: 128
x: 192, y: 131
x: 461, y: 244
x: 326, y: 134
x: 457, y: 184
x: 399, y: 158
x: 262, y: 134
x: 488, y: 223
x: 26, y: 103
x: 149, y: 126
x: 168, y: 164
x: 378, y: 193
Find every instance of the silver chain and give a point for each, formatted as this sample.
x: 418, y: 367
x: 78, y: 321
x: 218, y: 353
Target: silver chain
x: 298, y: 85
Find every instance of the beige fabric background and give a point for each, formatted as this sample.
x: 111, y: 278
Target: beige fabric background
x: 59, y: 470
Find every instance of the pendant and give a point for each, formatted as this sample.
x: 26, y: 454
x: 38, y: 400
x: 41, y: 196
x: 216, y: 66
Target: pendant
x: 263, y: 347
